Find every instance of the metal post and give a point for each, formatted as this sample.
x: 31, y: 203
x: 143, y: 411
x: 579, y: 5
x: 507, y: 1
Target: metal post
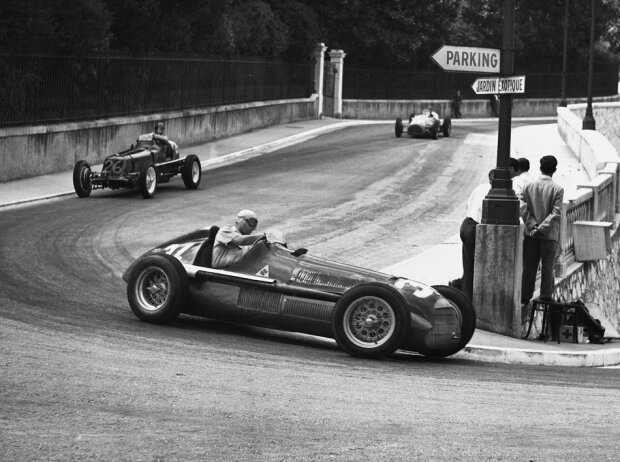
x: 564, y: 59
x: 501, y: 206
x: 588, y: 120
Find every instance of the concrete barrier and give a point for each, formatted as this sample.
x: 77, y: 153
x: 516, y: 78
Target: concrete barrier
x: 383, y: 109
x: 592, y: 148
x: 38, y: 150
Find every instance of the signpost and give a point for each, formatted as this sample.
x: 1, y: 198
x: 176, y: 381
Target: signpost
x: 499, y: 85
x: 468, y: 59
x: 499, y: 237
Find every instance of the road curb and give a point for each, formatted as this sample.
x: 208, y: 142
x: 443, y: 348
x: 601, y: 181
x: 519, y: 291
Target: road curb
x: 532, y: 357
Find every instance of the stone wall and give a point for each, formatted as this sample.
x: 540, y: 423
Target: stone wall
x: 39, y: 150
x: 606, y: 117
x: 381, y: 109
x: 596, y: 284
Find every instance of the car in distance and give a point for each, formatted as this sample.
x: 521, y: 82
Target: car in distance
x: 370, y: 314
x: 426, y: 124
x: 144, y: 165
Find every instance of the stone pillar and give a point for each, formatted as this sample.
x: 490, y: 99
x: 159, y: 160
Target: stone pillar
x: 498, y: 269
x: 319, y: 72
x: 337, y: 60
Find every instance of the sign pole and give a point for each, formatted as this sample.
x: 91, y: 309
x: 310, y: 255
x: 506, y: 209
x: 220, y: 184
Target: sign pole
x: 498, y: 260
x: 501, y: 206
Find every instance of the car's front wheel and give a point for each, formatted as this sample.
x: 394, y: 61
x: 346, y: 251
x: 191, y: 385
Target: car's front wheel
x: 147, y: 181
x: 398, y: 127
x: 467, y: 319
x: 81, y: 178
x: 157, y: 288
x: 191, y: 172
x: 370, y: 320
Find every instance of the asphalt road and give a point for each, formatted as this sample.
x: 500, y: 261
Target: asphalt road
x: 82, y: 379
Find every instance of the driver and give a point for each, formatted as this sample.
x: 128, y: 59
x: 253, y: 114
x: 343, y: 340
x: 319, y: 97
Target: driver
x: 232, y: 243
x: 170, y: 147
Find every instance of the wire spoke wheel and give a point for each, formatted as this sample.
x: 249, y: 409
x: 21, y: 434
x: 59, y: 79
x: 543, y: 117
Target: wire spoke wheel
x: 157, y: 288
x: 152, y: 288
x: 369, y: 322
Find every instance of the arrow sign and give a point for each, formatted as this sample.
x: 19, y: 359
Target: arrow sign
x: 468, y: 59
x: 499, y: 85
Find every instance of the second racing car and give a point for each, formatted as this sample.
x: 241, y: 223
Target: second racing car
x: 426, y: 124
x: 154, y: 159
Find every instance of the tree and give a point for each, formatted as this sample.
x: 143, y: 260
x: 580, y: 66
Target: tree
x: 55, y: 26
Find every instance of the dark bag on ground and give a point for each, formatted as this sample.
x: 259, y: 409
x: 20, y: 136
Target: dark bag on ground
x: 577, y: 314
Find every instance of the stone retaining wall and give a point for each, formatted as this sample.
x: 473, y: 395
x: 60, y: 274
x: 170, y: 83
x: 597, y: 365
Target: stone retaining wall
x: 383, y: 109
x: 596, y: 284
x: 39, y: 150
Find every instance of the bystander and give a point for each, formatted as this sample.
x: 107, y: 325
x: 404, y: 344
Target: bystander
x: 540, y: 211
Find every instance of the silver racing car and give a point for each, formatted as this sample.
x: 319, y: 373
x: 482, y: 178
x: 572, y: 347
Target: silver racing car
x: 369, y: 314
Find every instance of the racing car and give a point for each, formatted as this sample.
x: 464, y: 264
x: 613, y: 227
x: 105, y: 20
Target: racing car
x: 370, y: 314
x: 426, y: 124
x: 144, y: 165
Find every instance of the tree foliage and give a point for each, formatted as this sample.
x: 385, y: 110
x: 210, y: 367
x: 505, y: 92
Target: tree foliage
x: 394, y: 33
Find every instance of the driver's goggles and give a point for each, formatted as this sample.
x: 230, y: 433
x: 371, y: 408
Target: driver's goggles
x: 253, y: 222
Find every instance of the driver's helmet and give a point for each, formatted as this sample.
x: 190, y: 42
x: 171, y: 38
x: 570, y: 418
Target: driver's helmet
x: 159, y: 128
x: 426, y: 112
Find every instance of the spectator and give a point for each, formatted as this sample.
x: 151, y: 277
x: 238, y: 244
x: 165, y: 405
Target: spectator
x: 494, y: 100
x: 232, y: 243
x: 513, y: 167
x: 456, y: 105
x: 473, y: 217
x: 540, y: 211
x: 523, y: 177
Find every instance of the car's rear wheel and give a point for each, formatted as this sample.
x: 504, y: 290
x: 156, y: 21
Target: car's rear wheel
x: 446, y: 127
x: 398, y: 127
x: 435, y: 132
x: 192, y: 172
x: 81, y: 178
x: 147, y: 181
x: 468, y: 321
x: 370, y: 320
x: 157, y: 288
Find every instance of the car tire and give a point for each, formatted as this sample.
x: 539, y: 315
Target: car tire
x: 157, y: 288
x: 435, y: 133
x: 191, y: 172
x: 81, y: 178
x: 398, y: 127
x: 370, y: 320
x: 468, y: 320
x: 147, y: 180
x: 446, y: 127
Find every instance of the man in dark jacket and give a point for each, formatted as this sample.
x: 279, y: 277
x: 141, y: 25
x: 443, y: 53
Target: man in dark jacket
x: 540, y: 210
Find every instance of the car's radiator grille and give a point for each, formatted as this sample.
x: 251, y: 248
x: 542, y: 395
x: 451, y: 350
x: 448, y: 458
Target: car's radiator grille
x: 446, y: 330
x: 259, y: 300
x: 324, y: 280
x: 307, y: 309
x: 415, y: 130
